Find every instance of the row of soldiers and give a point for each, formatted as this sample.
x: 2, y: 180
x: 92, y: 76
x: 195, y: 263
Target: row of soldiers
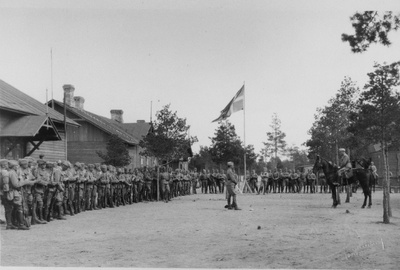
x: 280, y: 181
x: 36, y: 191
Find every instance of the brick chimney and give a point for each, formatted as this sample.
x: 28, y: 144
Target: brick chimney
x: 79, y: 101
x: 69, y: 94
x: 117, y: 115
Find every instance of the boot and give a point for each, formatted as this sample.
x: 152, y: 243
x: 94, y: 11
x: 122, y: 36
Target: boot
x: 59, y: 216
x: 21, y: 225
x: 229, y: 206
x: 70, y: 209
x: 234, y: 205
x: 35, y: 218
x: 65, y: 208
x: 41, y: 216
x: 8, y: 216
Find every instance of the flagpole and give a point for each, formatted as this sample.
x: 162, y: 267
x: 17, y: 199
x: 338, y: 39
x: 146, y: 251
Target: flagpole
x: 244, y: 129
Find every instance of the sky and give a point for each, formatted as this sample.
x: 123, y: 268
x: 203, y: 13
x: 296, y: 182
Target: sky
x: 194, y: 55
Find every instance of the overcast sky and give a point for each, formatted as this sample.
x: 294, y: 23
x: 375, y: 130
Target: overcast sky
x: 194, y: 55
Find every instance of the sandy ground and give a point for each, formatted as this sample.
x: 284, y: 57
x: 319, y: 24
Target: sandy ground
x: 196, y: 231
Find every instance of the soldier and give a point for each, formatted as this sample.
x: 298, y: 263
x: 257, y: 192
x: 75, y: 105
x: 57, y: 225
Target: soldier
x: 90, y: 182
x: 96, y: 183
x: 16, y: 196
x: 302, y: 179
x: 80, y: 187
x: 69, y: 180
x: 264, y: 181
x: 25, y: 173
x: 5, y: 192
x: 113, y: 187
x: 210, y: 182
x: 232, y: 181
x: 223, y: 180
x: 43, y: 178
x: 253, y: 182
x: 195, y: 179
x: 275, y: 178
x: 140, y: 185
x: 204, y: 181
x: 164, y: 181
x: 58, y: 197
x: 311, y: 180
x: 294, y: 176
x: 147, y: 184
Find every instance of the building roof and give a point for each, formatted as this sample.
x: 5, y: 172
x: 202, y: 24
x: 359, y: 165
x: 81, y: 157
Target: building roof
x: 38, y: 127
x: 138, y: 129
x: 107, y: 125
x: 12, y: 99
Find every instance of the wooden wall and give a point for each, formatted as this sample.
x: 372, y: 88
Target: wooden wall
x: 85, y: 151
x: 52, y: 150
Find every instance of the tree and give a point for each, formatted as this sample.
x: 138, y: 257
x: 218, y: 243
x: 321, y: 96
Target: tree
x: 377, y: 118
x: 202, y: 160
x: 297, y: 157
x: 168, y: 140
x: 117, y: 153
x: 369, y: 28
x: 251, y: 158
x: 329, y: 131
x: 276, y: 143
x: 226, y: 145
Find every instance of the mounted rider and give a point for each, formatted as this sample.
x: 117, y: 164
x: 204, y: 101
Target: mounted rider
x: 344, y: 165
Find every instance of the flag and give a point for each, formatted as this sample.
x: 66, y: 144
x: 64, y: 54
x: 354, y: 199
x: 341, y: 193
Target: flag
x: 236, y: 104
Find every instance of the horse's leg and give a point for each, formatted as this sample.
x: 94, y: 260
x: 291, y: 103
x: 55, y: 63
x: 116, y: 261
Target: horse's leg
x: 334, y: 198
x: 348, y: 187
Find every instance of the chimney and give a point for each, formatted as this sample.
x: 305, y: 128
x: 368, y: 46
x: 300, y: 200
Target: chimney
x: 69, y: 94
x: 79, y: 101
x: 117, y: 115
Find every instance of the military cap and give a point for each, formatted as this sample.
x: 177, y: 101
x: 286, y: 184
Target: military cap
x: 77, y: 164
x: 65, y: 163
x: 12, y: 163
x: 29, y: 158
x: 41, y: 161
x: 230, y: 163
x: 342, y: 150
x: 50, y: 164
x: 3, y: 161
x: 22, y: 161
x: 97, y: 164
x: 90, y: 165
x: 103, y: 166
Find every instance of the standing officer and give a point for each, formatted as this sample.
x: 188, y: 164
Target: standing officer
x: 232, y: 181
x: 195, y: 179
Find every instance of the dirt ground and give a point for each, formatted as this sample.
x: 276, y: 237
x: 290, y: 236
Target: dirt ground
x: 196, y: 231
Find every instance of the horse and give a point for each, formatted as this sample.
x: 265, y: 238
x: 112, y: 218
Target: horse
x: 331, y: 174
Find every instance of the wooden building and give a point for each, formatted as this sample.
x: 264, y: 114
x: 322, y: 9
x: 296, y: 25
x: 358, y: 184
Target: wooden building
x: 30, y: 128
x: 394, y: 163
x: 94, y: 131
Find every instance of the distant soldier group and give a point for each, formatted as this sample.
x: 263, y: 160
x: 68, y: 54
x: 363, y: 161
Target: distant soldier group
x: 280, y: 181
x: 37, y: 192
x: 214, y: 182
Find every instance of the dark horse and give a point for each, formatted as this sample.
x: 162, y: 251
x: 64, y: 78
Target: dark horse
x: 331, y: 174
